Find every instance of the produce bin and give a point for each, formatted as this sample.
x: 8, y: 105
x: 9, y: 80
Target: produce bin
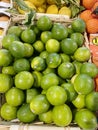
x: 15, y: 124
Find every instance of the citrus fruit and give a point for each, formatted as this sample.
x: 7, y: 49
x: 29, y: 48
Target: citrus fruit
x: 79, y: 101
x: 65, y: 11
x: 15, y: 30
x: 43, y: 54
x: 52, y: 45
x: 53, y: 60
x: 28, y: 36
x: 29, y: 50
x: 17, y: 49
x: 62, y: 115
x: 6, y: 82
x: 44, y: 23
x: 8, y: 70
x: 91, y: 100
x: 25, y: 115
x: 14, y: 96
x: 71, y: 93
x: 49, y: 79
x: 65, y: 57
x: 66, y: 70
x: 38, y: 46
x: 78, y: 38
x: 50, y: 2
x: 78, y: 25
x: 45, y: 36
x: 89, y: 68
x: 5, y: 57
x: 52, y: 9
x: 86, y: 119
x: 82, y: 54
x: 68, y: 46
x: 83, y: 84
x: 8, y: 40
x: 21, y: 65
x: 8, y: 112
x: 38, y: 63
x: 77, y: 65
x: 39, y: 104
x: 37, y: 78
x: 37, y: 2
x: 49, y: 70
x: 56, y: 95
x: 30, y: 94
x: 46, y: 117
x: 24, y: 80
x: 59, y: 32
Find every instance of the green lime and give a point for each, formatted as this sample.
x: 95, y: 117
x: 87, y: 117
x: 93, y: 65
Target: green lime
x: 45, y: 36
x: 39, y: 46
x: 8, y: 70
x: 29, y: 50
x: 53, y: 60
x: 25, y: 115
x: 44, y: 23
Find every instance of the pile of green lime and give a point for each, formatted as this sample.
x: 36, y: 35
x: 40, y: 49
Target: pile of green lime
x: 46, y: 75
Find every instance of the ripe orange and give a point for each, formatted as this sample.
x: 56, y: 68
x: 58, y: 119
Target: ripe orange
x: 88, y: 4
x: 86, y: 15
x: 91, y: 25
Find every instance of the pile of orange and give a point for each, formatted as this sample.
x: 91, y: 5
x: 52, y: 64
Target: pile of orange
x: 90, y: 16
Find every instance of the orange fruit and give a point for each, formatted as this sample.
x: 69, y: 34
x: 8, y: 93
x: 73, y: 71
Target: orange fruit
x: 39, y: 104
x: 8, y: 112
x: 86, y: 15
x: 90, y: 25
x: 83, y: 84
x: 44, y: 23
x: 66, y: 70
x: 15, y: 96
x: 24, y: 114
x: 68, y: 46
x: 89, y: 68
x: 24, y: 80
x: 62, y: 115
x: 88, y: 4
x: 49, y: 79
x: 91, y: 100
x: 56, y: 95
x: 78, y: 25
x: 86, y: 119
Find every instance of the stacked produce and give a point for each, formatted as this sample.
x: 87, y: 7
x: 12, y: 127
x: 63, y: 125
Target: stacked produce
x: 70, y: 8
x: 46, y: 75
x: 90, y: 15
